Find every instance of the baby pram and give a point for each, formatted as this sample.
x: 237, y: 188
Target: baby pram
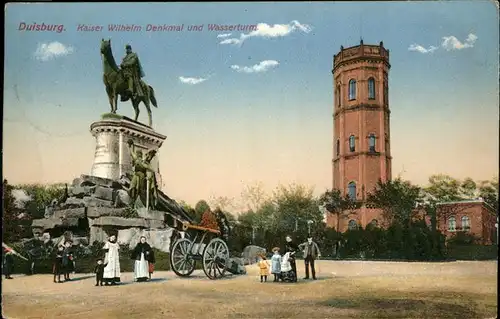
x: 287, y: 274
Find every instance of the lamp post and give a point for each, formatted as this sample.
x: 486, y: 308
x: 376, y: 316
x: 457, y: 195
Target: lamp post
x: 309, y: 222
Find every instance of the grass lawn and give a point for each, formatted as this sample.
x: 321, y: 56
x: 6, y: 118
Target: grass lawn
x: 344, y: 289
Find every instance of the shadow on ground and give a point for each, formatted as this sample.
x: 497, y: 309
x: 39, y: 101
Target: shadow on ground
x: 407, y: 308
x: 81, y: 278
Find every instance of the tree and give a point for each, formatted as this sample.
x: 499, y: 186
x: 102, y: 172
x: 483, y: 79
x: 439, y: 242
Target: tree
x: 397, y: 199
x: 337, y: 204
x: 254, y: 196
x: 222, y: 202
x: 14, y: 224
x: 488, y: 190
x: 445, y: 188
x: 41, y: 196
x: 295, y: 206
x: 200, y: 207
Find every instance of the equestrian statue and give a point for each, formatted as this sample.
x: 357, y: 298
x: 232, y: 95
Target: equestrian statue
x: 126, y: 80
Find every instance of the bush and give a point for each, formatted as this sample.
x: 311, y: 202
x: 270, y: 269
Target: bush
x: 462, y: 238
x: 472, y: 252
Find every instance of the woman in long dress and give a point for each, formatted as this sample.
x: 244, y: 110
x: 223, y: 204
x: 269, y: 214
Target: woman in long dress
x: 141, y: 255
x: 112, y: 262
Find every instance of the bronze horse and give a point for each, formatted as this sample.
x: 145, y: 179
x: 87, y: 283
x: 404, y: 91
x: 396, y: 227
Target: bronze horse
x: 116, y: 85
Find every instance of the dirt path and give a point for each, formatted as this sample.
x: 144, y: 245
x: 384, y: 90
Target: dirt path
x: 344, y: 290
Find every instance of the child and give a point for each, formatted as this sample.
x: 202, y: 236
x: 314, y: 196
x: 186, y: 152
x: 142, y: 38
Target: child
x: 99, y: 272
x: 56, y: 268
x: 67, y: 260
x: 264, y: 268
x: 151, y: 260
x: 276, y: 264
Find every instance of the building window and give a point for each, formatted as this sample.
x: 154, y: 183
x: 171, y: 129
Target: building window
x: 338, y: 95
x: 452, y: 224
x: 337, y: 147
x: 386, y: 93
x: 352, y: 90
x: 352, y: 143
x: 374, y: 223
x: 352, y: 225
x: 351, y: 190
x: 371, y: 143
x: 465, y: 223
x: 371, y: 88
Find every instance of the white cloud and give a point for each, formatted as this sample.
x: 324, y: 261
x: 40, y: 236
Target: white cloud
x: 421, y: 49
x: 452, y: 43
x: 257, y: 68
x: 265, y: 30
x: 47, y: 51
x: 20, y: 198
x: 224, y: 35
x: 191, y: 81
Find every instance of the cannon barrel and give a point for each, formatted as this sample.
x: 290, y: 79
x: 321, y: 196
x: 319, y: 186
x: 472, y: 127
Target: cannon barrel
x: 171, y: 206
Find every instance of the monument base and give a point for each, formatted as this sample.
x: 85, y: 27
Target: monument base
x: 112, y: 158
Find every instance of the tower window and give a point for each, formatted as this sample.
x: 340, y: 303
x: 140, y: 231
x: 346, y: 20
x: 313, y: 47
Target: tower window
x: 352, y: 90
x: 351, y: 190
x: 338, y: 95
x: 371, y: 143
x: 337, y: 147
x: 465, y: 223
x: 352, y: 225
x: 352, y: 143
x: 386, y: 93
x: 371, y: 88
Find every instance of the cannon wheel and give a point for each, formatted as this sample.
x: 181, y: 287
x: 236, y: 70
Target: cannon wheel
x: 215, y: 258
x: 180, y: 261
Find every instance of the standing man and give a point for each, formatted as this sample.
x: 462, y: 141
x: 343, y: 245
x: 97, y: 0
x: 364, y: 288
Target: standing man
x: 132, y: 70
x: 111, y: 261
x: 292, y: 248
x: 8, y: 265
x: 311, y: 252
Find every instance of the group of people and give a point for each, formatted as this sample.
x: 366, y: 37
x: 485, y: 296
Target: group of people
x: 284, y: 267
x: 63, y: 262
x: 107, y: 269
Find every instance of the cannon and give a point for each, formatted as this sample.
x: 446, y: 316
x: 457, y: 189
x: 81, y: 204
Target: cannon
x: 207, y: 247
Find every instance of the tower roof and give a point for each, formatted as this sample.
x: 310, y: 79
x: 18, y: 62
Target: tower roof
x: 361, y: 52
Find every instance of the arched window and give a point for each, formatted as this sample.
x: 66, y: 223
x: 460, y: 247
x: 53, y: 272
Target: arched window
x: 352, y: 90
x: 338, y: 95
x: 465, y: 223
x: 352, y: 143
x: 386, y: 93
x: 374, y: 223
x: 452, y: 224
x: 337, y: 147
x: 371, y: 143
x: 351, y: 190
x: 371, y: 88
x: 352, y: 225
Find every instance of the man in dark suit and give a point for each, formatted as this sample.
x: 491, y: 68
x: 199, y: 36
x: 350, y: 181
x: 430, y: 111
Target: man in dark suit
x: 311, y: 253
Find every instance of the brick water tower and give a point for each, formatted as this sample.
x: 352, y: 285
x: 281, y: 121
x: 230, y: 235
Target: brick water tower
x: 361, y: 130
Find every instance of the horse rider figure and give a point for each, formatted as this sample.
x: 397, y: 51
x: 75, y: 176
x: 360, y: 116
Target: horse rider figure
x: 133, y: 72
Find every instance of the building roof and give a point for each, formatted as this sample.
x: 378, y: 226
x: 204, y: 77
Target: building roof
x: 469, y: 201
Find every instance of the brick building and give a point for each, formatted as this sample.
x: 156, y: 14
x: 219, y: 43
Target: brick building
x: 362, y: 148
x: 474, y: 217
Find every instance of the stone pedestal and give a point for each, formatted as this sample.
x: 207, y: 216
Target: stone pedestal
x: 112, y: 158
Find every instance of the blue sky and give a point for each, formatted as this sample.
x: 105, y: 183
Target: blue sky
x: 236, y: 128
